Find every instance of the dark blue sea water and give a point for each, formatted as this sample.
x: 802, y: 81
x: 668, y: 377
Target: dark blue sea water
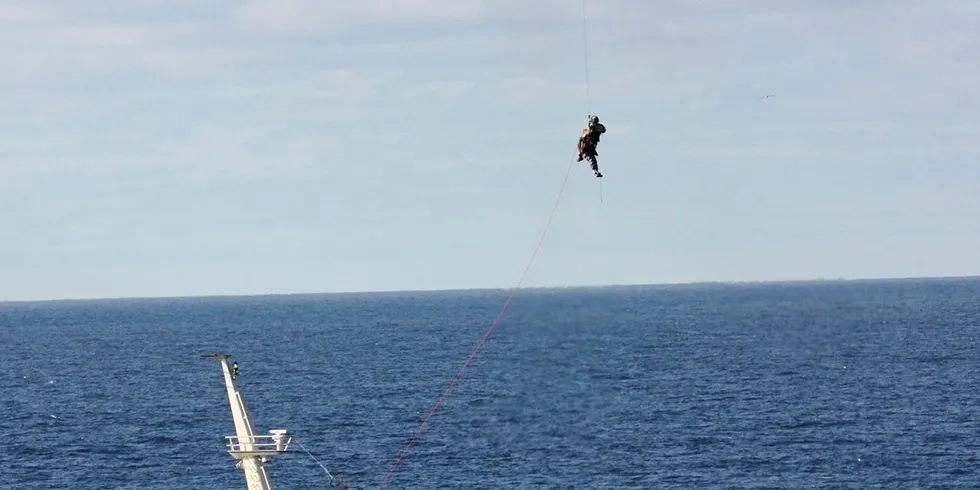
x: 837, y: 385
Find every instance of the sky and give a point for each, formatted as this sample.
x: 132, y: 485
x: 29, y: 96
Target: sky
x: 183, y: 148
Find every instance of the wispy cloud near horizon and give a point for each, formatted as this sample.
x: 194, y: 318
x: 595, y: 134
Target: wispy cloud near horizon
x: 306, y: 16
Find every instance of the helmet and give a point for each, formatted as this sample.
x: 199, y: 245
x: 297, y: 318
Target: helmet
x: 594, y: 120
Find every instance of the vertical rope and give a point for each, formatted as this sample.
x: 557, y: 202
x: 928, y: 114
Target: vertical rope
x: 585, y: 50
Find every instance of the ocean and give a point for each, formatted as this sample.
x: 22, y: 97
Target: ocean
x: 811, y: 385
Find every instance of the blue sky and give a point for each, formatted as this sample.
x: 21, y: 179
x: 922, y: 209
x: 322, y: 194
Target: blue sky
x: 170, y: 147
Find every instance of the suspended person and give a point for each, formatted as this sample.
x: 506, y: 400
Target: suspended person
x: 588, y: 141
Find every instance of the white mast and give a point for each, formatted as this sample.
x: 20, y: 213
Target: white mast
x: 250, y: 450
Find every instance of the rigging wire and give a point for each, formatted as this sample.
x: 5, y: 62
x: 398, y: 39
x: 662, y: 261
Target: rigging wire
x: 544, y: 233
x: 325, y: 470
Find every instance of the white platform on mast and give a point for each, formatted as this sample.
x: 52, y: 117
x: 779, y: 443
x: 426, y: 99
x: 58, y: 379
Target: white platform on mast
x: 252, y: 451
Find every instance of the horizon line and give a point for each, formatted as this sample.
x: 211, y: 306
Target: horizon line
x: 490, y: 289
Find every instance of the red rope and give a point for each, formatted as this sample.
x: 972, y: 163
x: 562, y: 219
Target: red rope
x: 494, y: 324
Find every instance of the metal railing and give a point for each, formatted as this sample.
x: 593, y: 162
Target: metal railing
x: 268, y: 443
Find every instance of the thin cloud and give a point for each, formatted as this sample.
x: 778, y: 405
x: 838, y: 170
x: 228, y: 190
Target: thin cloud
x: 448, y: 89
x: 25, y: 12
x: 59, y: 47
x: 713, y: 152
x: 522, y: 91
x: 104, y: 36
x: 686, y: 56
x: 350, y: 85
x: 306, y: 16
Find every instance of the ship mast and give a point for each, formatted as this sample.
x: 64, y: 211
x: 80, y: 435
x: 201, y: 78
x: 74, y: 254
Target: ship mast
x: 252, y: 451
